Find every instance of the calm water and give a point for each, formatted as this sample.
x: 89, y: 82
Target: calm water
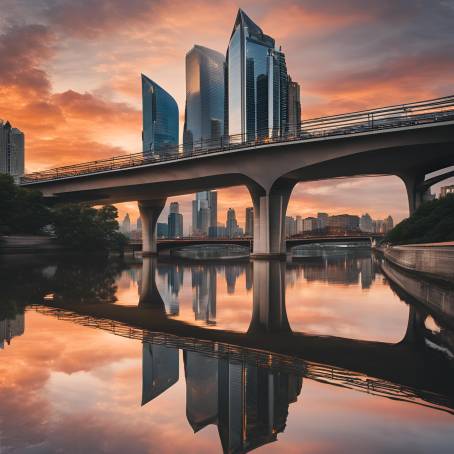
x: 321, y: 354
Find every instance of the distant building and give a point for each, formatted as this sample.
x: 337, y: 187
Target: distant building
x: 323, y: 218
x: 249, y: 224
x: 175, y: 221
x: 204, y: 114
x: 290, y: 226
x: 343, y: 222
x: 217, y: 232
x: 160, y: 119
x: 366, y: 223
x: 12, y: 145
x: 299, y: 224
x: 310, y: 224
x: 162, y: 230
x: 294, y: 107
x: 232, y: 228
x: 389, y: 223
x: 139, y: 225
x: 126, y: 225
x: 445, y: 190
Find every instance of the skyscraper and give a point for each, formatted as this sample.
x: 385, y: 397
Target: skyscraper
x: 249, y: 227
x: 160, y: 118
x: 126, y: 225
x: 294, y: 107
x: 232, y: 225
x: 175, y: 221
x: 257, y: 82
x: 204, y: 212
x: 204, y: 113
x: 11, y: 150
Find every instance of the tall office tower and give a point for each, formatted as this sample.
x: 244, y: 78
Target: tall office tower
x: 232, y: 224
x: 249, y: 227
x: 11, y: 150
x: 126, y: 225
x: 294, y: 107
x: 257, y: 82
x: 323, y: 218
x: 139, y: 224
x: 204, y: 212
x: 160, y: 119
x: 175, y: 221
x: 204, y: 113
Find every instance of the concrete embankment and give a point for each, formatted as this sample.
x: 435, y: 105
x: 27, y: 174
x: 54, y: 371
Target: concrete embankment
x: 16, y: 244
x: 435, y: 260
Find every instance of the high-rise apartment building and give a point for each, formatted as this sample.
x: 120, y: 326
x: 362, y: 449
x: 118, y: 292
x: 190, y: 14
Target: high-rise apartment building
x: 323, y: 218
x: 249, y: 224
x: 204, y: 113
x: 11, y: 150
x: 160, y: 119
x: 256, y: 83
x: 366, y: 223
x: 126, y: 225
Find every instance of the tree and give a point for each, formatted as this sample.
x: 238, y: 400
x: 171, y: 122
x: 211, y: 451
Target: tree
x: 21, y: 210
x: 79, y: 226
x: 432, y: 222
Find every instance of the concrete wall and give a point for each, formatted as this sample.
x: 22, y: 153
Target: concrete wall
x: 436, y: 261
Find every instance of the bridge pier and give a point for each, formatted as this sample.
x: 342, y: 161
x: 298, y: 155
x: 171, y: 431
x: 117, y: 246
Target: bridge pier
x: 415, y: 191
x: 150, y: 298
x: 270, y: 208
x: 269, y: 313
x: 149, y: 214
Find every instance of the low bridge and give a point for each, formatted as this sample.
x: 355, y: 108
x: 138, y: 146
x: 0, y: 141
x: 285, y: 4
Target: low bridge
x: 409, y: 141
x: 178, y: 243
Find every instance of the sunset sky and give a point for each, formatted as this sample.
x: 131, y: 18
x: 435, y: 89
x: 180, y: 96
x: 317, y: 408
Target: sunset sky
x: 70, y: 74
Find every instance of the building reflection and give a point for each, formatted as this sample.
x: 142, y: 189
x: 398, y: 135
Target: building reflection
x: 340, y: 268
x: 249, y: 404
x: 159, y: 370
x: 11, y: 327
x: 204, y: 293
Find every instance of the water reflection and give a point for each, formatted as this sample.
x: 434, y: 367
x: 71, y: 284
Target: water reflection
x: 242, y: 382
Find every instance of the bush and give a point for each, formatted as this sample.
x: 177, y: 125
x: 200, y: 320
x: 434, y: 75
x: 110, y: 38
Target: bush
x: 432, y: 222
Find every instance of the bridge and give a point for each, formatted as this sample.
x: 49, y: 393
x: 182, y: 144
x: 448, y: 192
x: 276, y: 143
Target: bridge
x: 409, y: 141
x: 164, y: 244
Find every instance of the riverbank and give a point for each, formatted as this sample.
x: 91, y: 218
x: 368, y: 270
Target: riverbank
x: 27, y: 244
x: 435, y: 260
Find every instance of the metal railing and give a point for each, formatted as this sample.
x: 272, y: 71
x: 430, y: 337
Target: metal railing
x: 404, y: 115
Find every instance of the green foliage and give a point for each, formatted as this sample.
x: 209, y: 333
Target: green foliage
x: 433, y: 222
x: 82, y: 227
x: 22, y: 210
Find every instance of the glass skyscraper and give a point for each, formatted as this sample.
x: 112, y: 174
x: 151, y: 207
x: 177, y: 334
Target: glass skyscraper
x: 160, y: 118
x: 256, y: 82
x: 204, y: 114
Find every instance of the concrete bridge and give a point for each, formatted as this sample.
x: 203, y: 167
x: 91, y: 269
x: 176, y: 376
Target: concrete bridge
x: 409, y: 141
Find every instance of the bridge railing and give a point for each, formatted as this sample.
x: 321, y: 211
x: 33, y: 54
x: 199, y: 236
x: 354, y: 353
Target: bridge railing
x: 404, y: 115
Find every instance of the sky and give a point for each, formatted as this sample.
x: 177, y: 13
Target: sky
x: 70, y: 75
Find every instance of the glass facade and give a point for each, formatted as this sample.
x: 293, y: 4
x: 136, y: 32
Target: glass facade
x: 204, y: 116
x: 257, y: 82
x: 160, y: 118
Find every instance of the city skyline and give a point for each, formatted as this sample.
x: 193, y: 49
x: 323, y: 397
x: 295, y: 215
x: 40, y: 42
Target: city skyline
x: 70, y: 113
